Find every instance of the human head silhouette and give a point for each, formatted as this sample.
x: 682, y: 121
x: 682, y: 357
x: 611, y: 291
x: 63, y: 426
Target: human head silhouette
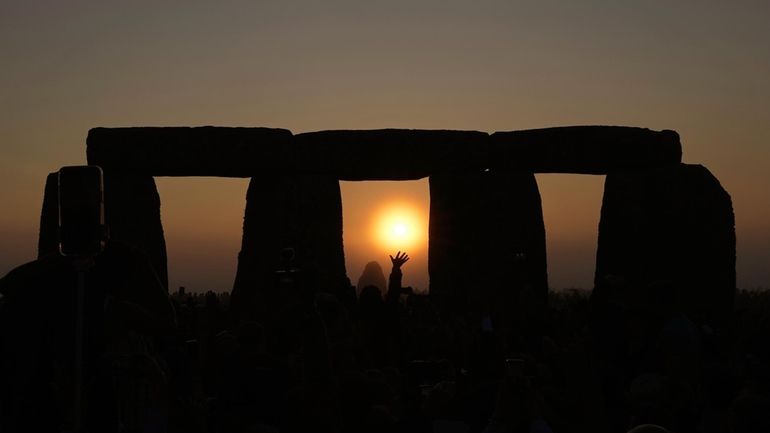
x: 372, y: 276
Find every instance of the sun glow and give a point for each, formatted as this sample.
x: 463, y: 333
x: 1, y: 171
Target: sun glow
x: 400, y: 227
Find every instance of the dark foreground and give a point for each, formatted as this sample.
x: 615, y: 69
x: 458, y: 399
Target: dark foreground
x: 392, y: 362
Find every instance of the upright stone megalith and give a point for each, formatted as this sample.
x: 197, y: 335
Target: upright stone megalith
x: 131, y: 212
x: 671, y: 229
x: 303, y: 212
x: 48, y: 238
x: 487, y: 243
x: 486, y: 230
x: 132, y: 215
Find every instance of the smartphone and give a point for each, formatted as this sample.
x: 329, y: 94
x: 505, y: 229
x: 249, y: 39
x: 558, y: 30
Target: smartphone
x: 81, y: 211
x: 287, y: 274
x: 486, y: 323
x: 514, y: 367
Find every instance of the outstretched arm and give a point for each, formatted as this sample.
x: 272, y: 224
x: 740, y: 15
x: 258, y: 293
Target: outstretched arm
x: 394, y: 282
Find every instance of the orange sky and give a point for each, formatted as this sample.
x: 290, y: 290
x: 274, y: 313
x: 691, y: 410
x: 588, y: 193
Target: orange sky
x: 363, y: 203
x: 571, y: 205
x: 700, y: 68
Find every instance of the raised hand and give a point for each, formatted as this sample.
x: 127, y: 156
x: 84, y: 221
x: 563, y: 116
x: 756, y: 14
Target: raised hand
x: 399, y: 260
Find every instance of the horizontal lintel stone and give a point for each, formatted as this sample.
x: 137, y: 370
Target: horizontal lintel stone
x: 385, y: 154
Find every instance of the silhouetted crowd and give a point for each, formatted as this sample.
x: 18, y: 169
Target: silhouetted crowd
x: 369, y: 359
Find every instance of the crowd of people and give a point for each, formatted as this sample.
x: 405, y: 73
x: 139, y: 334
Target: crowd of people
x: 370, y: 359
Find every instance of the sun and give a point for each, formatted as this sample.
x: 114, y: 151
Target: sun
x: 399, y: 227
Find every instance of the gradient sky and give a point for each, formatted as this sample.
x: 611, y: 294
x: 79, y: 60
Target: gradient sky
x: 699, y: 67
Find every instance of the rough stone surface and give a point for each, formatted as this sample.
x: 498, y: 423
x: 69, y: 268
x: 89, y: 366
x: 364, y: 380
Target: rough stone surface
x: 48, y: 240
x: 132, y: 215
x: 487, y: 248
x: 660, y: 219
x: 301, y: 212
x: 389, y: 154
x: 584, y: 149
x: 200, y: 151
x: 131, y: 212
x: 385, y: 154
x: 673, y: 231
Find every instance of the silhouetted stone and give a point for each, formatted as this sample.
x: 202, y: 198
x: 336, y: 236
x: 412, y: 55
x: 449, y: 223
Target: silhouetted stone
x: 372, y: 276
x: 584, y: 149
x: 200, y: 151
x: 385, y: 154
x: 132, y: 215
x: 129, y: 156
x: 389, y: 154
x: 487, y: 243
x: 301, y: 212
x: 48, y: 240
x: 671, y: 230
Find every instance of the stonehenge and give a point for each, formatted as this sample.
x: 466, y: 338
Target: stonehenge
x: 385, y: 154
x: 487, y: 243
x: 202, y: 151
x: 48, y: 239
x: 132, y: 214
x: 301, y: 212
x: 661, y: 220
x: 131, y: 210
x: 670, y: 226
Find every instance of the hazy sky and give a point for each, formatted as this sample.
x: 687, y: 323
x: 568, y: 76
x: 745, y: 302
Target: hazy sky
x: 699, y: 67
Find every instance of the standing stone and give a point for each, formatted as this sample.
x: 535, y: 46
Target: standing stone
x: 131, y: 212
x: 302, y: 212
x: 48, y: 238
x: 487, y: 244
x: 132, y: 215
x: 670, y: 231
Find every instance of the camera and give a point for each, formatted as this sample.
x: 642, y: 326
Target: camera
x: 82, y: 231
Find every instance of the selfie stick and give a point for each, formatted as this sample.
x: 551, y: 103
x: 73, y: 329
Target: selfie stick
x: 84, y: 185
x: 82, y: 267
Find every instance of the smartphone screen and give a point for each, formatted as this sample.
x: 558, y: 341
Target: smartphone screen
x: 81, y: 211
x: 514, y: 367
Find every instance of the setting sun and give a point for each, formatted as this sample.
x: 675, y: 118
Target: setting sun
x: 399, y: 226
x: 383, y: 217
x: 400, y: 230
